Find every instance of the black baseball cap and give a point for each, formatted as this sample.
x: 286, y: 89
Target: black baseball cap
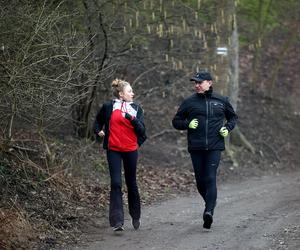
x: 202, y: 76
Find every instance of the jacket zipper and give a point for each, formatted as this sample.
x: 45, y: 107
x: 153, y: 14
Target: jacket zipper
x: 206, y: 124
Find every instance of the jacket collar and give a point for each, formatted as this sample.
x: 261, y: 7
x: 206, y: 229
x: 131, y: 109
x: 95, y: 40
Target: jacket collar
x: 121, y: 101
x: 207, y: 93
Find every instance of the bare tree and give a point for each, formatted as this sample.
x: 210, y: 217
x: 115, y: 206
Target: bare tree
x: 42, y: 61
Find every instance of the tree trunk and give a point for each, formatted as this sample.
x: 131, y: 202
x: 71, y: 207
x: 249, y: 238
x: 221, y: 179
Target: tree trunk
x: 221, y: 62
x: 227, y: 65
x: 83, y: 110
x: 233, y: 88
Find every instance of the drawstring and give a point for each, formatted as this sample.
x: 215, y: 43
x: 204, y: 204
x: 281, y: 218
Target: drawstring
x: 124, y: 110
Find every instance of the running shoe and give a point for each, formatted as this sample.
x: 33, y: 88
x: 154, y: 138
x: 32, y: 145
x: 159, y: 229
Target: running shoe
x: 118, y: 227
x: 208, y: 220
x: 136, y: 223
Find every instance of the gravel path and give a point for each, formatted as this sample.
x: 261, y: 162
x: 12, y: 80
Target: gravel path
x: 261, y: 213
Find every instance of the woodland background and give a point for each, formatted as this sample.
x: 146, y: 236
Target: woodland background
x: 57, y: 61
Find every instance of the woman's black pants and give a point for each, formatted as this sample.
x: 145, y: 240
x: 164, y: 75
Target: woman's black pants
x: 116, y: 213
x: 205, y: 164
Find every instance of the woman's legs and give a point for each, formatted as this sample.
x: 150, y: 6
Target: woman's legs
x: 130, y: 165
x: 116, y: 213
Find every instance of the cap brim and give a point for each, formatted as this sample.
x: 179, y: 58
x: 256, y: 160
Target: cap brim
x: 196, y: 79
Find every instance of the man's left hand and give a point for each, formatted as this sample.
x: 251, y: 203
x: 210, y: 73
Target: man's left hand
x: 224, y: 131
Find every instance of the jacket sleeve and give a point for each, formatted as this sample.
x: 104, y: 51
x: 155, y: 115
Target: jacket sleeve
x: 138, y: 123
x: 180, y: 121
x: 230, y: 116
x: 99, y: 120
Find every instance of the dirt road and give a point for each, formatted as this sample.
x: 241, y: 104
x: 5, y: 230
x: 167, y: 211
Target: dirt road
x: 261, y: 213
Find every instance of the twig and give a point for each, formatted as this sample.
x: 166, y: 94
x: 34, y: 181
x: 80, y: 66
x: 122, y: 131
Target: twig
x: 54, y: 175
x: 144, y: 73
x: 24, y: 149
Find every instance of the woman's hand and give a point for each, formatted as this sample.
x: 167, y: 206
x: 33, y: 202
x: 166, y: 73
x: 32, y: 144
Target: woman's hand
x: 129, y: 117
x: 101, y: 133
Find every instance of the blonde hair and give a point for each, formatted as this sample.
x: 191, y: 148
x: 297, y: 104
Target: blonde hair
x: 117, y: 86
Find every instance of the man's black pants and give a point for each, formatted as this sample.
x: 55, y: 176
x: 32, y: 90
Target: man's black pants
x: 116, y: 213
x: 205, y: 164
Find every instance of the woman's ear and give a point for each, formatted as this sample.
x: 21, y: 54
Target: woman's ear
x: 121, y: 94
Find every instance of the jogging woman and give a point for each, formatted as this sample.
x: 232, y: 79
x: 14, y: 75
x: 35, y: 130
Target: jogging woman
x: 208, y: 118
x: 120, y: 122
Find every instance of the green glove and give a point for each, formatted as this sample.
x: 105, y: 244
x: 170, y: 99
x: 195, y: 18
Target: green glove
x: 224, y: 131
x: 193, y: 124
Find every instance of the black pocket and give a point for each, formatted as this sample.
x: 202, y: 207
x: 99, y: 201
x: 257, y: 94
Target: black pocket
x: 216, y: 109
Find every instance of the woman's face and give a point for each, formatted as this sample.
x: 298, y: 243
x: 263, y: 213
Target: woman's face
x: 127, y: 94
x: 201, y: 87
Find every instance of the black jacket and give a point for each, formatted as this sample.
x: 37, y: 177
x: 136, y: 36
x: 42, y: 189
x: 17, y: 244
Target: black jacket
x: 103, y: 119
x: 211, y: 110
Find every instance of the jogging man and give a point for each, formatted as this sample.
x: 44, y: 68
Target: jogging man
x: 208, y: 119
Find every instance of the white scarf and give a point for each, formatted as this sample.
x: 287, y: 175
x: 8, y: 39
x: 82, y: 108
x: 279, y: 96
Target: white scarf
x: 125, y: 107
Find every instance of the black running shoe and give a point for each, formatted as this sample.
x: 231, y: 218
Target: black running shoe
x: 118, y: 227
x: 136, y: 223
x: 208, y: 220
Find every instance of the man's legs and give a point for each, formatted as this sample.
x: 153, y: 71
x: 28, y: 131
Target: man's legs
x: 211, y: 165
x: 205, y: 164
x: 198, y: 160
x: 212, y: 161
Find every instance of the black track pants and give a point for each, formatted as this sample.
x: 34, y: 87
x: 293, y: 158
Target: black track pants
x: 205, y: 164
x: 116, y: 213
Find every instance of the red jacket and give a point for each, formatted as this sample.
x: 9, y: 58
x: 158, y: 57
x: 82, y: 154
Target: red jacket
x: 105, y: 117
x: 122, y: 136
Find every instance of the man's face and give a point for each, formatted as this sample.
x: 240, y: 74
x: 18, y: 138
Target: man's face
x: 201, y: 87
